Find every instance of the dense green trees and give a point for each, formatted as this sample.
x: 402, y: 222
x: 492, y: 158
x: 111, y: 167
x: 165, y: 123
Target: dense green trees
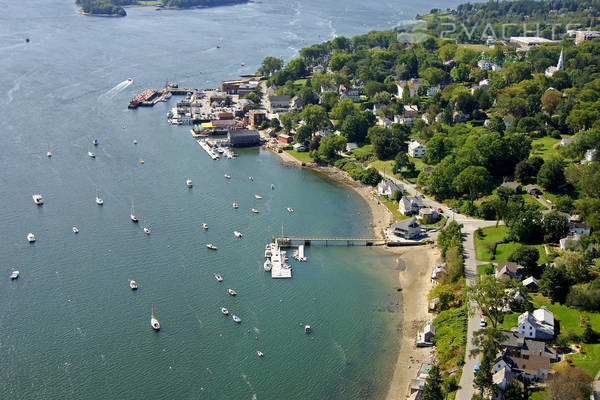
x: 101, y: 7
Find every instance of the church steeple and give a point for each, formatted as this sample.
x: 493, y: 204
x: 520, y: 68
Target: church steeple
x: 560, y: 60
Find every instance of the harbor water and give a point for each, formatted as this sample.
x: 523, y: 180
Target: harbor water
x: 70, y: 327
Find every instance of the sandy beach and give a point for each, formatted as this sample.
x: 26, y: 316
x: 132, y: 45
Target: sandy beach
x: 414, y: 280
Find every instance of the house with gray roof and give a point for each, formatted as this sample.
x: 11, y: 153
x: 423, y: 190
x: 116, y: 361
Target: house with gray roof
x: 531, y: 284
x: 537, y: 325
x: 407, y: 228
x: 410, y: 205
x: 508, y: 270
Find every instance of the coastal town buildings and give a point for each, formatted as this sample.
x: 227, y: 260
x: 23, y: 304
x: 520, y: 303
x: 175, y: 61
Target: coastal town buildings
x: 537, y: 325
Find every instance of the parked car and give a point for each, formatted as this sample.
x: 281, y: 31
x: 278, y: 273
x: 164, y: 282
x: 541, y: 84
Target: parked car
x: 477, y: 366
x: 482, y: 322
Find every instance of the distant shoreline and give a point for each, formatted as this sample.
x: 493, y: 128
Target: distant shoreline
x: 162, y: 7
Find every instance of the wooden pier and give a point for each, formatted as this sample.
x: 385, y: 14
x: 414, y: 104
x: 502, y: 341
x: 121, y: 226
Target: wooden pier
x: 307, y: 241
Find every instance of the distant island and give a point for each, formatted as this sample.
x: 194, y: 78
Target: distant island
x: 116, y: 8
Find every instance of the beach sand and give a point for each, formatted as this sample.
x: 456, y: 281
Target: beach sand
x: 414, y: 280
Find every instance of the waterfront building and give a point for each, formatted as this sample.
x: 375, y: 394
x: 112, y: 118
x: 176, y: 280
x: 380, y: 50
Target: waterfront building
x: 255, y: 117
x: 407, y: 228
x: 243, y: 137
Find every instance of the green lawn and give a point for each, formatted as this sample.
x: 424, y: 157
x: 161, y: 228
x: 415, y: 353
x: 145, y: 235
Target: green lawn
x: 393, y: 207
x: 485, y: 269
x: 385, y: 166
x: 490, y: 235
x: 300, y: 156
x: 363, y: 153
x: 150, y: 3
x: 544, y: 147
x: 300, y: 82
x: 476, y: 47
x: 510, y: 321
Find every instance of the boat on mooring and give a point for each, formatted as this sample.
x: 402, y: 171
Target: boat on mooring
x: 211, y: 246
x: 14, y: 275
x: 132, y: 215
x: 189, y: 183
x: 238, y: 234
x: 99, y: 200
x: 133, y: 285
x: 95, y: 142
x: 224, y: 311
x: 290, y: 210
x: 38, y: 199
x: 146, y: 230
x: 260, y: 353
x: 227, y: 176
x: 236, y: 205
x: 219, y: 278
x: 153, y: 321
x: 91, y: 154
x: 205, y: 226
x: 236, y: 319
x: 75, y: 229
x: 232, y: 292
x: 255, y: 210
x: 49, y: 154
x: 30, y: 237
x: 307, y: 329
x: 258, y: 196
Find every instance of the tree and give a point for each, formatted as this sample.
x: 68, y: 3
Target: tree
x: 355, y: 128
x: 371, y: 177
x: 402, y: 161
x: 329, y: 100
x: 303, y: 134
x: 487, y: 294
x: 526, y: 256
x: 270, y: 65
x: 484, y: 378
x: 551, y: 174
x: 385, y: 143
x: 315, y: 117
x: 342, y: 109
x: 514, y: 391
x: 572, y: 383
x: 433, y: 388
x: 555, y: 284
x: 497, y: 124
x: 550, y: 100
x: 460, y: 73
x: 556, y: 226
x: 308, y: 96
x: 437, y: 148
x: 575, y: 263
x: 473, y: 180
x: 526, y: 170
x: 329, y: 147
x: 433, y: 75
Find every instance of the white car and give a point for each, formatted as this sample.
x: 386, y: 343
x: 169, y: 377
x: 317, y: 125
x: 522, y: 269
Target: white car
x: 482, y: 322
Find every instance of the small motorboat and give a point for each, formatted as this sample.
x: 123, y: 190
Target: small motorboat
x: 227, y: 176
x: 224, y: 311
x: 260, y: 353
x: 99, y: 201
x: 251, y: 178
x: 272, y: 186
x: 146, y: 230
x: 237, y: 234
x: 268, y: 265
x: 258, y: 196
x: 133, y: 218
x: 189, y: 183
x: 211, y: 246
x: 290, y: 210
x: 141, y: 161
x: 92, y: 155
x: 14, y: 275
x: 219, y: 278
x: 236, y: 205
x: 153, y: 321
x: 95, y: 142
x: 236, y: 319
x: 232, y: 292
x: 307, y: 329
x: 135, y: 142
x: 31, y: 237
x: 75, y: 229
x: 205, y: 226
x: 38, y: 199
x: 133, y: 285
x: 255, y: 210
x: 49, y: 154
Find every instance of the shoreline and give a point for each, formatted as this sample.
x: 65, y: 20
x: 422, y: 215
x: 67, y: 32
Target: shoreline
x: 162, y: 7
x: 414, y: 280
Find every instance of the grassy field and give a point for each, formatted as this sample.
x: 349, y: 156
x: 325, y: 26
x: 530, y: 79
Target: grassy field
x: 544, y: 147
x: 300, y: 82
x: 300, y: 156
x: 363, y: 152
x: 150, y: 3
x: 476, y: 47
x: 393, y: 207
x: 490, y: 235
x: 386, y: 166
x: 485, y: 269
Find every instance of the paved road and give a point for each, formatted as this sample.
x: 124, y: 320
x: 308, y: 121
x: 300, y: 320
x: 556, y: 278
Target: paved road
x: 470, y: 225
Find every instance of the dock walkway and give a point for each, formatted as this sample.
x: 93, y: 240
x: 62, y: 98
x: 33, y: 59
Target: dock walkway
x: 278, y: 270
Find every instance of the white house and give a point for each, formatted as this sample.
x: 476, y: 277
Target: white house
x: 537, y: 325
x: 387, y: 187
x: 424, y: 338
x: 578, y: 228
x: 502, y: 378
x: 485, y: 65
x: 400, y: 119
x: 589, y: 156
x: 569, y: 242
x: 410, y: 205
x: 416, y: 149
x: 384, y: 122
x: 299, y: 147
x: 351, y: 146
x: 296, y: 103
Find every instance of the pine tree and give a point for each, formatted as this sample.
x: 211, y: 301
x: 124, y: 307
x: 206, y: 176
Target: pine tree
x: 433, y: 387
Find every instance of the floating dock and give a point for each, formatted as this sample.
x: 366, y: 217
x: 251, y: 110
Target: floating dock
x: 279, y: 269
x: 204, y: 144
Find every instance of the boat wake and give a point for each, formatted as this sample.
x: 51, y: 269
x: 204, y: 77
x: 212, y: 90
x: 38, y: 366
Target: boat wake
x: 116, y: 90
x: 9, y: 94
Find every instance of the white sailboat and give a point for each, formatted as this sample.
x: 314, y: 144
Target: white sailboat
x: 189, y: 183
x: 99, y: 200
x: 237, y: 234
x: 38, y: 199
x: 75, y: 229
x: 132, y: 215
x: 153, y: 321
x: 30, y: 237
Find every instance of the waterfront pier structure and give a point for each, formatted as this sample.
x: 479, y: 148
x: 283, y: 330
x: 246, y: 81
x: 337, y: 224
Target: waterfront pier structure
x: 307, y: 241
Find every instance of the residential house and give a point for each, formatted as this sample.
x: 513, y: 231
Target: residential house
x: 429, y: 215
x: 318, y: 69
x: 508, y: 270
x: 351, y: 146
x: 409, y: 205
x: 299, y: 147
x: 578, y: 228
x: 502, y: 378
x: 512, y: 186
x: 564, y: 142
x: 416, y: 386
x: 590, y: 156
x: 413, y: 86
x: 296, y: 103
x: 537, y: 325
x: 531, y: 284
x: 384, y: 122
x: 459, y: 116
x: 416, y: 149
x: 329, y: 88
x: 582, y: 36
x: 411, y: 110
x: 406, y: 228
x: 486, y: 65
x: 533, y: 190
x: 352, y: 94
x: 425, y: 117
x: 377, y: 108
x: 569, y: 242
x: 387, y: 187
x: 279, y: 104
x: 399, y: 119
x: 524, y: 357
x: 515, y: 344
x: 424, y: 338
